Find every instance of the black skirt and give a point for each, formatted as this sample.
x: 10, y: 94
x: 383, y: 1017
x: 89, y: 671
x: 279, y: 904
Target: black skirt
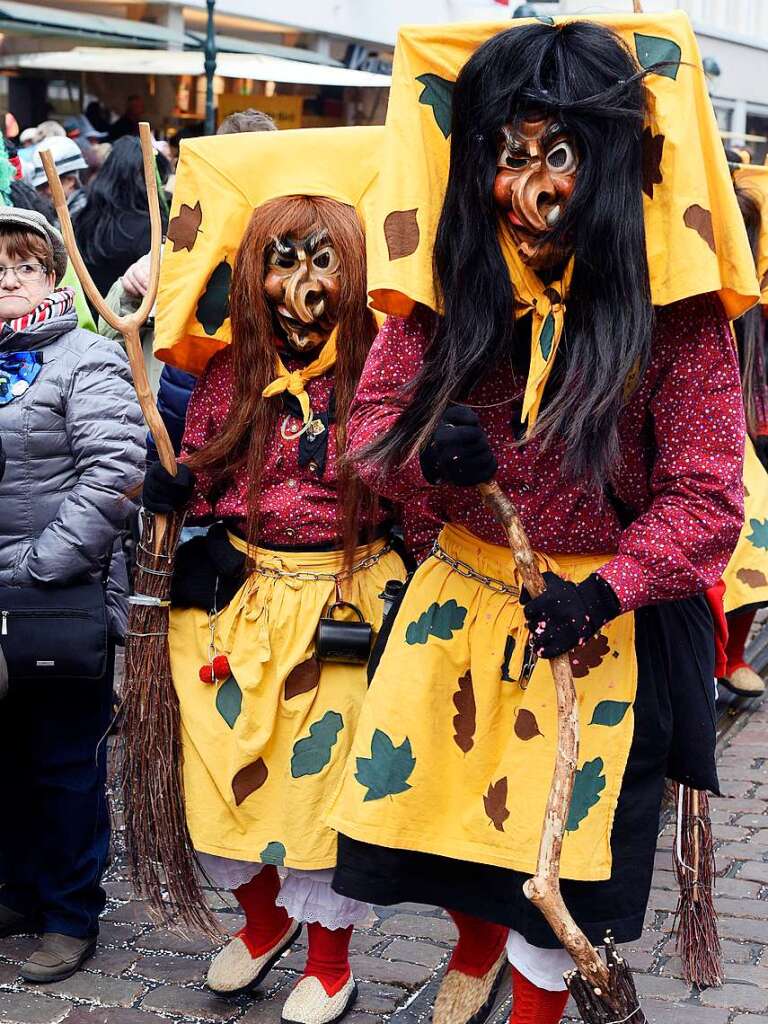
x: 674, y: 736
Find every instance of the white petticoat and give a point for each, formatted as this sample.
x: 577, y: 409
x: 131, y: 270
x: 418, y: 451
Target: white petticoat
x: 544, y: 968
x: 306, y: 895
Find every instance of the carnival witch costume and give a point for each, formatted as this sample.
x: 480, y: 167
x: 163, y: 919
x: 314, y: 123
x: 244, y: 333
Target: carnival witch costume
x: 299, y: 551
x: 536, y: 355
x: 746, y: 577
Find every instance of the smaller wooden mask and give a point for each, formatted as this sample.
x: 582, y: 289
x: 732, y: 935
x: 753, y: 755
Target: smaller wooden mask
x: 302, y: 281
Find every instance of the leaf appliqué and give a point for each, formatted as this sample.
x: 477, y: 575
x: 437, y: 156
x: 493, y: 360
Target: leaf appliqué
x: 185, y: 226
x: 759, y: 535
x: 526, y: 725
x: 658, y: 50
x: 439, y: 620
x: 249, y: 779
x: 401, y: 233
x: 438, y: 94
x: 653, y: 149
x: 610, y: 712
x: 273, y: 853
x: 387, y: 770
x: 495, y: 803
x: 229, y: 701
x: 465, y: 721
x: 547, y: 336
x: 588, y: 785
x: 700, y: 220
x: 752, y: 578
x: 213, y: 304
x: 303, y: 678
x: 312, y: 753
x: 589, y: 655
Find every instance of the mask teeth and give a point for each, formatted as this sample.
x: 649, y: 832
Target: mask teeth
x: 553, y: 216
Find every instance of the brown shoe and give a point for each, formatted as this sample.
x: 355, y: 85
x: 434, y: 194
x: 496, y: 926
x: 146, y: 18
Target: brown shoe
x: 59, y: 957
x: 14, y: 923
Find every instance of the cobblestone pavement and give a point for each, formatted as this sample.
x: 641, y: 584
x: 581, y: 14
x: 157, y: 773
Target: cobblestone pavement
x: 142, y: 974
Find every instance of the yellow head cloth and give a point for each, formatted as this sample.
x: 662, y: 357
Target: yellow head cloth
x: 695, y: 236
x: 220, y: 180
x: 755, y: 178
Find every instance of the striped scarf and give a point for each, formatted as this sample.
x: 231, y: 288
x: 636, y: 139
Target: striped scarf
x: 56, y: 304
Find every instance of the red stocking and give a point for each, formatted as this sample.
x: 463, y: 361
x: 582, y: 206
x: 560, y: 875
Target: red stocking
x: 479, y: 946
x: 328, y: 956
x: 265, y: 923
x: 533, y: 1005
x: 738, y: 631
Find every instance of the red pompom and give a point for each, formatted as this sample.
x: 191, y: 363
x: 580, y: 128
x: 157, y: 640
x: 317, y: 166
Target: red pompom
x: 221, y: 666
x: 206, y: 674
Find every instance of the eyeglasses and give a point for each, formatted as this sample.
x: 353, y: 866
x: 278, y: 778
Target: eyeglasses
x: 25, y: 272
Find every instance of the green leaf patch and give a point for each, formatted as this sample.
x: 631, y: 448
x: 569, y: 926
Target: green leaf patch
x: 610, y: 712
x: 273, y: 853
x: 653, y: 50
x: 312, y: 753
x: 388, y: 769
x: 438, y: 94
x: 589, y: 784
x: 229, y: 701
x: 440, y: 620
x: 213, y: 306
x: 759, y: 535
x: 547, y: 335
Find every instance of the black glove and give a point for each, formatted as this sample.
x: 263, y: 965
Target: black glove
x: 208, y: 571
x: 568, y: 613
x: 458, y: 452
x: 164, y: 493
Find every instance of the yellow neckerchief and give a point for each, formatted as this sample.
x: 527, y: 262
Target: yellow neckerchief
x: 294, y: 381
x: 546, y: 302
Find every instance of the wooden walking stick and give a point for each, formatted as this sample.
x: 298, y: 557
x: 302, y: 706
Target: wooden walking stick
x: 160, y: 852
x: 604, y: 993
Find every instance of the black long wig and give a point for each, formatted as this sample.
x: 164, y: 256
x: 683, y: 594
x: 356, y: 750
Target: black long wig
x: 583, y: 74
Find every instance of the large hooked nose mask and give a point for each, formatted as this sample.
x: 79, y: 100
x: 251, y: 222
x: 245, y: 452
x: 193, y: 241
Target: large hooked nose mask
x: 535, y: 176
x: 302, y: 282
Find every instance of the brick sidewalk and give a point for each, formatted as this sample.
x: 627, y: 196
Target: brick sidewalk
x: 142, y: 974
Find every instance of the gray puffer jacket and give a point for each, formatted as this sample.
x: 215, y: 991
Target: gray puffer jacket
x: 75, y: 446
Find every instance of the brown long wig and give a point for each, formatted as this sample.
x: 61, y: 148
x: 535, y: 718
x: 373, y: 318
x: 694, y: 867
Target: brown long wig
x: 750, y: 328
x: 252, y: 419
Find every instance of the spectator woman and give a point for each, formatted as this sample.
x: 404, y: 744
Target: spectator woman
x: 113, y: 228
x: 73, y: 438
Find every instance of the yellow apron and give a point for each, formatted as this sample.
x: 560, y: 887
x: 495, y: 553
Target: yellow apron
x: 746, y: 575
x: 264, y: 749
x: 453, y: 755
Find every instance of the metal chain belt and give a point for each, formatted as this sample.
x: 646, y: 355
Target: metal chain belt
x: 469, y: 572
x: 334, y: 577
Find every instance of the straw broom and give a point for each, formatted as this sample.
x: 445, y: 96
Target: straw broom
x: 604, y: 992
x: 160, y: 852
x: 698, y: 941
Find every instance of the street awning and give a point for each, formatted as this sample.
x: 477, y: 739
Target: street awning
x: 31, y: 20
x: 254, y: 67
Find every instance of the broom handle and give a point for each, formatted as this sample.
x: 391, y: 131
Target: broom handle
x: 543, y: 890
x: 694, y: 795
x: 129, y: 326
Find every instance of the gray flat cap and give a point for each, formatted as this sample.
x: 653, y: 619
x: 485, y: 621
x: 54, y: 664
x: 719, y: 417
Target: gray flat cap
x: 31, y: 220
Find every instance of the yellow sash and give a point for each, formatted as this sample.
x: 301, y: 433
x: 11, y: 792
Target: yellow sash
x: 294, y: 381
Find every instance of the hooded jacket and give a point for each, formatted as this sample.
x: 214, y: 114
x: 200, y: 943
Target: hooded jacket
x: 74, y: 443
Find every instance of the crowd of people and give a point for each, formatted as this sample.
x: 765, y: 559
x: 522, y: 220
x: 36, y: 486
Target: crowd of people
x: 361, y: 678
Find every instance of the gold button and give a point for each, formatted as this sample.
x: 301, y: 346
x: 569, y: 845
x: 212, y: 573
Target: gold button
x: 293, y: 483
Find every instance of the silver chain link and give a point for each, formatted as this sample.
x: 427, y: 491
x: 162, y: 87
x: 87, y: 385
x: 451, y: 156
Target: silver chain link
x: 334, y: 577
x: 469, y: 572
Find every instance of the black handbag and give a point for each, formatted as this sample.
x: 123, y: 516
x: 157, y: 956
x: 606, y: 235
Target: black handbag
x: 54, y: 631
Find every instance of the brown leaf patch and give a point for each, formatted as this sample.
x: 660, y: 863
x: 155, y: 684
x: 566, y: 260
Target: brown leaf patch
x: 589, y: 655
x: 700, y: 221
x: 465, y: 721
x: 495, y: 803
x: 303, y: 678
x: 249, y: 779
x: 185, y: 226
x: 401, y: 231
x: 752, y: 578
x: 653, y: 147
x: 746, y: 491
x: 526, y: 726
x: 764, y: 281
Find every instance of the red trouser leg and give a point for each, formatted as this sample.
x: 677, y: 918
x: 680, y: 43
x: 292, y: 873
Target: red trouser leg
x: 328, y: 956
x: 533, y: 1005
x: 739, y: 626
x: 265, y: 922
x: 479, y: 946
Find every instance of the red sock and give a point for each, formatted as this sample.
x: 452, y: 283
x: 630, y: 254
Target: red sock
x: 738, y: 630
x: 533, y: 1005
x: 265, y: 923
x: 328, y: 956
x: 479, y: 945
